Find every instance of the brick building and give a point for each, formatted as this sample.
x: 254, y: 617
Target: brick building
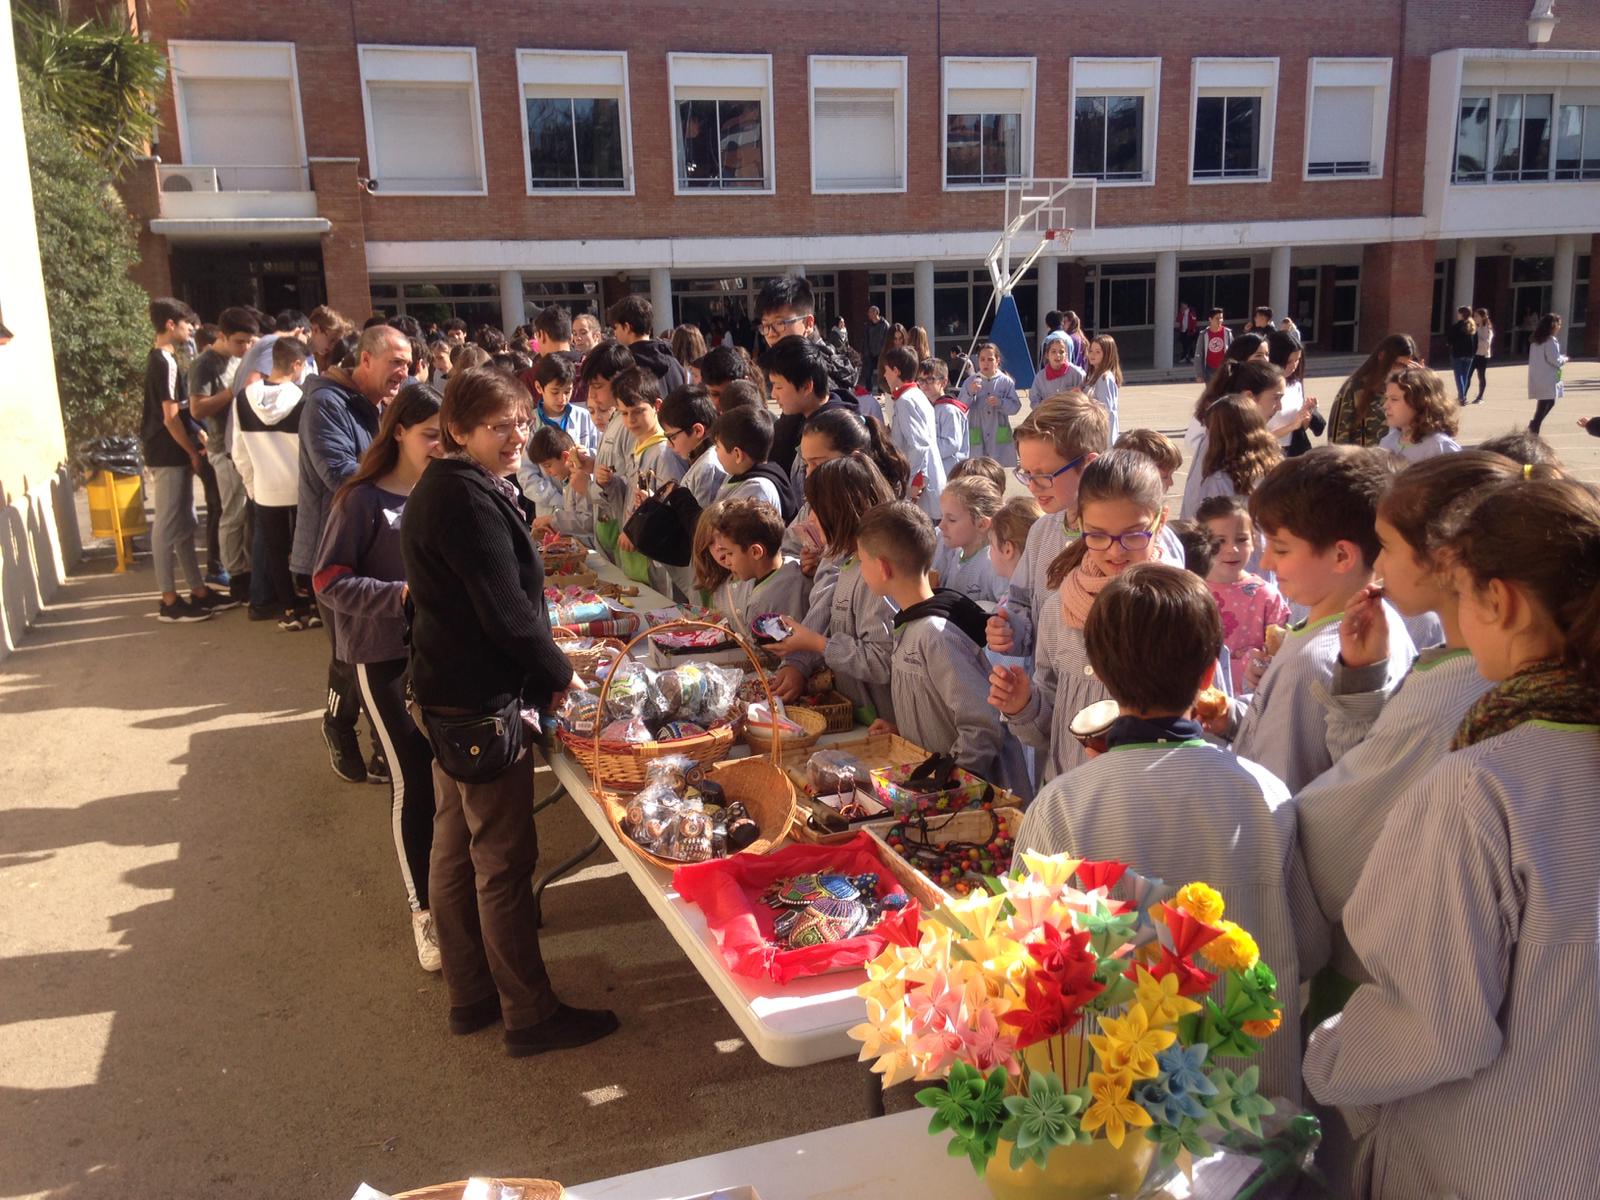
x: 1362, y: 166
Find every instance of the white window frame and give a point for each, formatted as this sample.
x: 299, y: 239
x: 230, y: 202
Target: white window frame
x: 1561, y: 95
x: 1093, y: 76
x: 366, y: 50
x: 1237, y: 77
x: 1029, y: 107
x: 680, y: 64
x: 824, y: 61
x: 232, y: 60
x: 576, y: 89
x: 1374, y: 73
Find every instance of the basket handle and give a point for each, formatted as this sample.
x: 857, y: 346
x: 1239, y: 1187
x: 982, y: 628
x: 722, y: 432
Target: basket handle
x: 683, y: 623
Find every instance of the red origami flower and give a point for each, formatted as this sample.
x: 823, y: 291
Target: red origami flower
x: 1093, y: 875
x: 1188, y: 934
x: 1192, y: 980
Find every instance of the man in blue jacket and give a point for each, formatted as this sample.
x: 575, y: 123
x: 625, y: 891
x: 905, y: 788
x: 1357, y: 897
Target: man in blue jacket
x: 338, y: 423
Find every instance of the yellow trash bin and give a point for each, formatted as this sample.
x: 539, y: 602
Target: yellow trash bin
x: 116, y: 511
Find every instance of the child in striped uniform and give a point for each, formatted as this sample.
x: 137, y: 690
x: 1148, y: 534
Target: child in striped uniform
x: 1404, y: 735
x: 939, y: 672
x: 1318, y: 512
x: 1059, y: 375
x: 686, y: 417
x: 638, y: 395
x: 551, y: 382
x: 1176, y: 808
x: 1423, y: 421
x: 600, y: 366
x: 1120, y: 502
x: 833, y: 433
x: 745, y: 538
x: 913, y: 430
x: 962, y: 557
x: 1467, y: 1066
x: 555, y: 460
x: 949, y: 414
x: 992, y: 400
x: 743, y: 438
x: 846, y: 627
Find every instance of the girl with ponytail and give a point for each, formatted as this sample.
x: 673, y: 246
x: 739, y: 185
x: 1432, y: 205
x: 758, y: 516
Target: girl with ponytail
x: 1482, y: 1004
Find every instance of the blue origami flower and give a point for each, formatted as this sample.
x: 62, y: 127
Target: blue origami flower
x: 1178, y: 1091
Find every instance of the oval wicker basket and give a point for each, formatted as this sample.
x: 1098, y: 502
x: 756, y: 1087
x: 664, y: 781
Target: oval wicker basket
x: 585, y: 662
x: 759, y: 737
x: 532, y: 1189
x: 563, y: 556
x: 760, y: 784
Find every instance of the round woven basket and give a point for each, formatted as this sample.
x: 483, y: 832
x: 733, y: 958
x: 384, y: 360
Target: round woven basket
x: 759, y: 737
x: 563, y: 556
x: 760, y: 784
x: 532, y: 1189
x: 586, y: 662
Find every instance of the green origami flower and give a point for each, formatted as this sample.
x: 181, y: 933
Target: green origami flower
x: 1107, y: 931
x: 1045, y: 1118
x: 1174, y: 1139
x: 971, y: 1107
x: 1237, y: 1102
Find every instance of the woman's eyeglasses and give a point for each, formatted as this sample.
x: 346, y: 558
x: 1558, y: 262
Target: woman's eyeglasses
x: 502, y: 429
x: 1044, y: 479
x: 1133, y: 541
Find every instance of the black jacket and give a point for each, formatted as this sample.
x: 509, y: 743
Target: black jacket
x: 1463, y: 341
x: 480, y: 631
x: 655, y: 356
x: 965, y: 613
x: 786, y: 431
x: 778, y: 478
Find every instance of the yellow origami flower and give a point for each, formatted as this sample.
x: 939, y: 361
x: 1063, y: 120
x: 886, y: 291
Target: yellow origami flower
x: 1130, y: 1044
x: 1201, y: 901
x: 884, y: 1040
x: 1159, y: 998
x: 1052, y: 870
x: 1111, y: 1109
x: 1235, y: 950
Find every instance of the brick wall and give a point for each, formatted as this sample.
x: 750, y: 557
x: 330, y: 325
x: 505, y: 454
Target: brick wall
x: 140, y: 193
x: 1396, y: 292
x: 331, y: 100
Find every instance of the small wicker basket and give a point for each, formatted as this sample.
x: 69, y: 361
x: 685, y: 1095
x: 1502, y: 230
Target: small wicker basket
x: 759, y: 737
x: 839, y: 711
x: 563, y: 556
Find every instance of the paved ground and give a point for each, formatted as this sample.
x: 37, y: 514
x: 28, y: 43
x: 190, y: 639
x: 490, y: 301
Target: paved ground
x: 206, y: 979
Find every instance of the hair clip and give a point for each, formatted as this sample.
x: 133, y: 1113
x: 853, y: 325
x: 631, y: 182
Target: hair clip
x: 1527, y: 470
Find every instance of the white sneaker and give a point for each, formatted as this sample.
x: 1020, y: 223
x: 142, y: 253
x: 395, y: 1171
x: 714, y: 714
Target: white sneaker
x: 427, y: 944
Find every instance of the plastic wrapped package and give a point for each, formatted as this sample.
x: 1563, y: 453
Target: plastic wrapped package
x: 627, y: 729
x: 633, y: 693
x: 578, y: 712
x: 831, y: 772
x: 700, y: 692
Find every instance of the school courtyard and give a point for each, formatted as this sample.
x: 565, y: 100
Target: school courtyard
x: 208, y: 986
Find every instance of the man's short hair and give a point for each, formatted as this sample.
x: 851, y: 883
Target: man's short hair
x: 1263, y: 311
x: 1327, y: 495
x: 745, y: 428
x: 785, y: 291
x: 454, y: 325
x: 291, y: 319
x: 935, y: 367
x: 904, y: 361
x: 207, y: 334
x: 1154, y: 445
x: 635, y: 312
x: 1215, y: 312
x: 688, y: 406
x: 748, y: 522
x: 374, y: 321
x: 548, y: 442
x: 554, y: 322
x: 553, y: 368
x: 238, y: 320
x: 168, y: 308
x: 636, y: 386
x: 741, y: 393
x: 800, y: 361
x: 288, y: 353
x: 720, y: 365
x: 901, y: 533
x: 1151, y: 636
x: 607, y: 360
x: 1052, y: 319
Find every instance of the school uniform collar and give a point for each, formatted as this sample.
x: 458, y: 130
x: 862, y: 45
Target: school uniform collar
x: 902, y: 390
x: 965, y: 613
x: 654, y: 439
x: 1052, y: 373
x: 560, y: 422
x: 1153, y: 731
x: 953, y: 401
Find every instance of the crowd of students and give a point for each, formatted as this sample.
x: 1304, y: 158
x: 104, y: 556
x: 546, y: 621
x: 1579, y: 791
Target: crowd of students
x: 1358, y: 684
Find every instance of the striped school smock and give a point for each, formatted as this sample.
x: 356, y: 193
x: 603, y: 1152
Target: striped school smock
x: 1468, y: 1065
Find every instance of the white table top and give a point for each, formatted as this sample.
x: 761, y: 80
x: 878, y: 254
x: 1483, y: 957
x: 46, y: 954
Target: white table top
x: 791, y: 1025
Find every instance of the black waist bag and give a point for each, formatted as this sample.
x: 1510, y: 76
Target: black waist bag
x: 662, y: 527
x: 477, y: 748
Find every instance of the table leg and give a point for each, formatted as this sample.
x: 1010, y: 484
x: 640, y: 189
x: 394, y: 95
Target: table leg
x: 559, y: 794
x: 874, y: 1094
x: 556, y: 872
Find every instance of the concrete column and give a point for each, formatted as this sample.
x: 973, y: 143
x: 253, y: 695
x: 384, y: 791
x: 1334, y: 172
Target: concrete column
x: 1166, y: 306
x: 1561, y: 281
x: 922, y: 278
x: 661, y: 298
x: 1278, y: 283
x: 1466, y: 273
x: 1049, y: 268
x: 512, y: 312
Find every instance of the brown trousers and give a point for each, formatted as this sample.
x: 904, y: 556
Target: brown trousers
x: 480, y: 891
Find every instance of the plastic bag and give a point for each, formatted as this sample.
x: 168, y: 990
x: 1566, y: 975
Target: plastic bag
x: 671, y: 772
x: 119, y: 455
x: 633, y: 693
x: 700, y: 692
x: 578, y: 712
x: 831, y: 772
x: 630, y: 729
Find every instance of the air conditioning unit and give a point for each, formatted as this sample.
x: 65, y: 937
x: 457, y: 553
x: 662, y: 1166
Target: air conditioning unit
x: 188, y: 179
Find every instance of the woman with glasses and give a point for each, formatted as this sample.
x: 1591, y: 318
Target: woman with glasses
x: 481, y: 649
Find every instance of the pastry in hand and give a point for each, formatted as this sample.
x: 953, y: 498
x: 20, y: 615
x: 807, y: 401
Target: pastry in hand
x: 1211, y: 704
x: 1275, y: 636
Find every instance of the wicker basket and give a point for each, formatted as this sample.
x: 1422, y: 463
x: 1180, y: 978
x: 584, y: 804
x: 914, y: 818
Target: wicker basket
x: 627, y: 764
x: 586, y: 662
x: 760, y: 784
x: 839, y: 711
x: 963, y: 825
x: 563, y: 556
x: 759, y: 737
x: 583, y: 577
x: 532, y: 1189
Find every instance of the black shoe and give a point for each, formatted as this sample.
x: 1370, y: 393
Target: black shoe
x: 182, y: 611
x: 469, y: 1018
x: 345, y: 751
x: 565, y: 1029
x: 215, y: 601
x: 377, y: 767
x: 239, y: 587
x: 264, y: 614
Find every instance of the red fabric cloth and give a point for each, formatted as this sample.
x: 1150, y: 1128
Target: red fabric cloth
x: 728, y: 891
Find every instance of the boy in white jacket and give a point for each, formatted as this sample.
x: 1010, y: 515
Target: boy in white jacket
x: 266, y: 450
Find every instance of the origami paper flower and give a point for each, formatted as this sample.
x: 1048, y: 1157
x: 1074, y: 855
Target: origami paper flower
x: 987, y: 1045
x: 1130, y: 1044
x: 1161, y: 997
x: 1187, y: 934
x: 1052, y: 870
x: 1183, y: 1074
x: 1179, y: 1141
x: 936, y: 1004
x: 971, y: 1106
x: 1237, y: 1102
x: 1111, y: 1109
x: 1033, y: 901
x: 1042, y: 1119
x: 1233, y: 950
x: 1095, y: 875
x: 1192, y: 980
x: 1201, y: 901
x: 1263, y: 1029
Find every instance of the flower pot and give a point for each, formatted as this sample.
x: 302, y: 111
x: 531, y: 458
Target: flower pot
x: 1085, y: 1171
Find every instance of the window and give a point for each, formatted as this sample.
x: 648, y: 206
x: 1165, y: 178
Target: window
x: 576, y: 124
x: 1120, y: 300
x: 988, y: 110
x: 1349, y: 105
x: 1580, y: 294
x: 1234, y: 102
x: 1444, y: 290
x: 239, y: 111
x: 721, y: 121
x: 858, y: 124
x: 1305, y: 285
x: 963, y: 309
x: 1114, y: 106
x: 424, y: 130
x: 1578, y: 142
x: 1472, y: 141
x: 477, y: 302
x: 1522, y: 136
x: 1346, y: 327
